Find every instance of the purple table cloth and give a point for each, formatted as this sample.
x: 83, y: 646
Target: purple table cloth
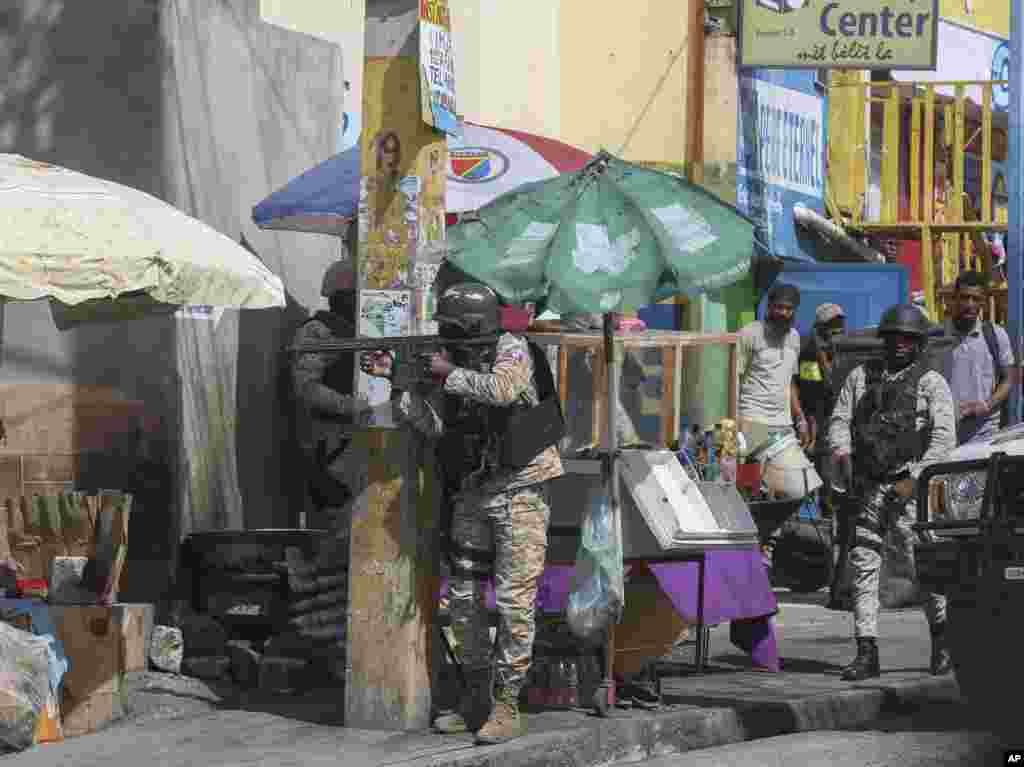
x: 736, y: 589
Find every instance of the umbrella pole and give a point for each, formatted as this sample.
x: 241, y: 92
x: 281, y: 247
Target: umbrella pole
x: 605, y: 695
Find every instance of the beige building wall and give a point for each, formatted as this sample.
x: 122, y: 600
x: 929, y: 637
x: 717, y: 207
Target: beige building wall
x: 507, y: 63
x: 559, y: 68
x: 566, y: 70
x: 623, y: 78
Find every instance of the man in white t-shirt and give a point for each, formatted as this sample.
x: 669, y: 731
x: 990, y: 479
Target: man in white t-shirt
x: 769, y: 353
x: 769, y: 405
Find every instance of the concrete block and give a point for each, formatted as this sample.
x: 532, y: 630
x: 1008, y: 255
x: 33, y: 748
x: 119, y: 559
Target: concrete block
x: 283, y: 674
x: 211, y: 667
x: 167, y: 649
x: 245, y: 662
x: 203, y: 635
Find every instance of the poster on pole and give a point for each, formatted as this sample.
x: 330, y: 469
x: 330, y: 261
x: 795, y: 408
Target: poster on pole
x: 437, y: 67
x: 382, y: 314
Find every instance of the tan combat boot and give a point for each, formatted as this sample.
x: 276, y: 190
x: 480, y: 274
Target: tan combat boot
x: 504, y: 723
x: 474, y: 708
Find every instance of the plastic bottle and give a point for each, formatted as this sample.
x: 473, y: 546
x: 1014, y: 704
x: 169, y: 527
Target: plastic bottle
x: 538, y: 691
x: 572, y: 683
x: 556, y: 684
x: 728, y: 468
x: 711, y: 469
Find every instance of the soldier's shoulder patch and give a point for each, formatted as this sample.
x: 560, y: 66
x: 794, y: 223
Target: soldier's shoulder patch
x: 512, y: 349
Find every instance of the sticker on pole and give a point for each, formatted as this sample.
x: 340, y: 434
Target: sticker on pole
x: 1013, y: 574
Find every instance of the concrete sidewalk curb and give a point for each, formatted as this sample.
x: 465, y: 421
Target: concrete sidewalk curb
x: 632, y: 736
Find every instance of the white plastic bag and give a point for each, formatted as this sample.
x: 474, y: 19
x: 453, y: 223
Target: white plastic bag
x: 24, y: 685
x: 598, y: 593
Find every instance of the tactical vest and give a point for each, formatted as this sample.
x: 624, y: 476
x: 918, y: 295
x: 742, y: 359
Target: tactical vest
x: 885, y: 433
x: 474, y: 433
x: 463, y: 447
x: 340, y: 375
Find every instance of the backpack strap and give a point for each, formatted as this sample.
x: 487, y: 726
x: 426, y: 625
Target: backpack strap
x: 988, y: 330
x: 542, y: 373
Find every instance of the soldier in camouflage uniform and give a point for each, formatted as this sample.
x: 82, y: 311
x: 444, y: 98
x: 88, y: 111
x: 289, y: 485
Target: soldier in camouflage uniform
x: 500, y: 513
x: 894, y: 418
x: 323, y: 387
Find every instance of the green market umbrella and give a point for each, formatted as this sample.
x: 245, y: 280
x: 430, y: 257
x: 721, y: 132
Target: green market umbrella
x: 608, y: 238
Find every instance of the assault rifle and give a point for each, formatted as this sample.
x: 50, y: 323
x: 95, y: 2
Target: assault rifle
x: 407, y: 368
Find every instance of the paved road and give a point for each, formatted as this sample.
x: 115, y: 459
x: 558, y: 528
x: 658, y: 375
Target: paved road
x: 943, y: 733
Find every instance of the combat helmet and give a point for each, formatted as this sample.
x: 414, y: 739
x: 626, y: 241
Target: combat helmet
x: 470, y: 306
x: 906, y: 319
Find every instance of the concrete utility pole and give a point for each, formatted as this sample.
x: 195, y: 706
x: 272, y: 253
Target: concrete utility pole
x: 1015, y: 174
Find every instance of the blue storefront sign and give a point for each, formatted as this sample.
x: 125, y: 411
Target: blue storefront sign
x: 780, y: 155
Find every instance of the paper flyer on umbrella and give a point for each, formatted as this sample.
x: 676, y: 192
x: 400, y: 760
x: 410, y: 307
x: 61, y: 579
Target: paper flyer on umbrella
x: 437, y: 67
x: 382, y: 313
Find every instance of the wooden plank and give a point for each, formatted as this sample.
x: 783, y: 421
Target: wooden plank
x: 733, y: 383
x: 695, y: 93
x: 668, y: 429
x: 10, y: 476
x: 952, y: 265
x: 911, y: 229
x: 916, y: 105
x: 50, y: 468
x: 392, y: 583
x: 928, y: 271
x: 929, y: 155
x: 600, y: 394
x: 644, y: 340
x: 986, y: 153
x: 889, y: 204
x: 563, y: 377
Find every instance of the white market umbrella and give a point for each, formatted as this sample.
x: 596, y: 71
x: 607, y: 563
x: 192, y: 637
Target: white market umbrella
x: 86, y: 242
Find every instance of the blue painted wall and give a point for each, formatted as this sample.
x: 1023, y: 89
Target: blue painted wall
x: 780, y: 155
x: 863, y: 290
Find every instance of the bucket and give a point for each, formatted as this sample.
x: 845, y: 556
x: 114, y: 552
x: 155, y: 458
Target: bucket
x: 789, y: 474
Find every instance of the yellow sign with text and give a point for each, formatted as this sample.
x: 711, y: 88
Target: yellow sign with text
x: 833, y: 34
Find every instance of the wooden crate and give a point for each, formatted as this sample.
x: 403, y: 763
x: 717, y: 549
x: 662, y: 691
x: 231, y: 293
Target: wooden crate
x: 673, y: 346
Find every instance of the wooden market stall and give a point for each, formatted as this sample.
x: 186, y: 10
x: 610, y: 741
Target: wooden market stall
x: 674, y: 367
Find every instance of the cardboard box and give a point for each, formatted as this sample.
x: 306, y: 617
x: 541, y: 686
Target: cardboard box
x: 136, y: 624
x: 92, y: 692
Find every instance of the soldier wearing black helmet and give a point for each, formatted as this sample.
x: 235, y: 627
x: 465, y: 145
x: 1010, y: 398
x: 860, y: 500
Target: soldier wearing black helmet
x: 499, y: 510
x: 893, y: 418
x: 327, y: 408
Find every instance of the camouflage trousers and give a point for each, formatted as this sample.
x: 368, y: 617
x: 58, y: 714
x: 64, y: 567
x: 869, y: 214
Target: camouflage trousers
x: 882, y: 511
x: 504, y: 536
